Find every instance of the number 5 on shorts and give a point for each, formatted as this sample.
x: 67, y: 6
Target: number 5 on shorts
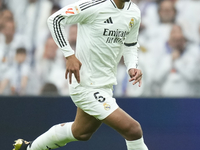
x: 101, y: 99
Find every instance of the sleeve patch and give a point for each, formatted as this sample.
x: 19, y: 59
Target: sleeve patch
x: 77, y: 9
x: 70, y: 11
x: 74, y: 10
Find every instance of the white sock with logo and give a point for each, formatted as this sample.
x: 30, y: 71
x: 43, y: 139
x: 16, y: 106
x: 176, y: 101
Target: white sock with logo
x: 136, y: 144
x: 57, y: 136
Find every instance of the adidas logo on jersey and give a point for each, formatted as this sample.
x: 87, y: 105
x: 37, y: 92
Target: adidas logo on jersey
x: 109, y: 20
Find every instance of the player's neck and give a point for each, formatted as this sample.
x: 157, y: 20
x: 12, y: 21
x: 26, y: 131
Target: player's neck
x: 119, y: 3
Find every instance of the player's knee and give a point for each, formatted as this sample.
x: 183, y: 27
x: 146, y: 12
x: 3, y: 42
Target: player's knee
x: 133, y: 131
x: 83, y: 137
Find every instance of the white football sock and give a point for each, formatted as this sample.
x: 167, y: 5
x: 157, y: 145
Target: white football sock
x: 57, y: 136
x: 136, y: 144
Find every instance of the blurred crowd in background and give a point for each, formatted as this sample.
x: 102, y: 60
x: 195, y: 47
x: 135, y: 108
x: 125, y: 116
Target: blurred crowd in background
x: 169, y: 55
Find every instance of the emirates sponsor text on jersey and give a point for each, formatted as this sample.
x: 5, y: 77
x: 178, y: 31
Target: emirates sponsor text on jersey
x: 115, y: 36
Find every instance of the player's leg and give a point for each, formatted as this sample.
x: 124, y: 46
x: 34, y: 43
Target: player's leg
x: 129, y: 128
x: 84, y: 125
x: 59, y: 135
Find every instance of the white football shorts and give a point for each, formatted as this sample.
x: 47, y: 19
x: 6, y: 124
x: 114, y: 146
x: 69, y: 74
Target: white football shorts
x: 95, y: 102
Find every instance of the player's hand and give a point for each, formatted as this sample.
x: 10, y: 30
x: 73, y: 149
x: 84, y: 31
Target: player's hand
x: 175, y: 54
x: 73, y: 65
x: 136, y: 75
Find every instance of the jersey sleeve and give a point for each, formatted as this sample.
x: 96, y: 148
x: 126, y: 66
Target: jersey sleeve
x: 131, y: 46
x: 72, y: 14
x: 133, y: 35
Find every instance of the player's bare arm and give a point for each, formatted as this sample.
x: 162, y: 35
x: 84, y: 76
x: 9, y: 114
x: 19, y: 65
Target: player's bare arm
x: 135, y: 74
x: 73, y: 65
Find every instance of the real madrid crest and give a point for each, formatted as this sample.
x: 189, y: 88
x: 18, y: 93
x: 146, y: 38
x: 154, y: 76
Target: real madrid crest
x: 131, y: 23
x: 106, y: 106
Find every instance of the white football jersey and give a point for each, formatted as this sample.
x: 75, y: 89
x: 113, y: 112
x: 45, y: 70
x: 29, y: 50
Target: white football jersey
x: 104, y: 33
